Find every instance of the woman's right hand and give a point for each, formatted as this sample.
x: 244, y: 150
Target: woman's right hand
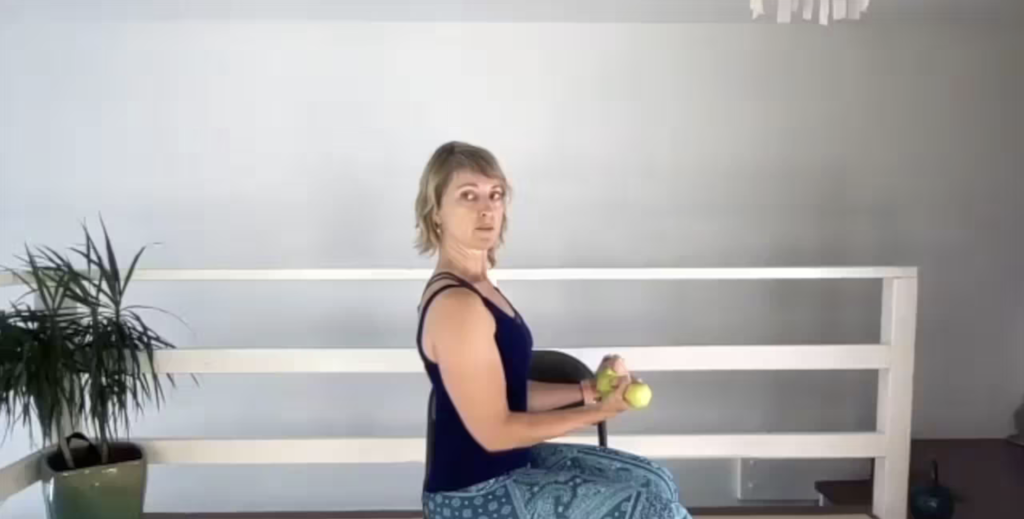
x: 615, y: 402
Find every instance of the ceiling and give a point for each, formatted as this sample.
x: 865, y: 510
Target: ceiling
x: 671, y: 11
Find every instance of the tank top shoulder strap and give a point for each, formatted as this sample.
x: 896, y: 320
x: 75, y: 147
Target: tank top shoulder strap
x: 457, y: 282
x: 445, y: 276
x: 448, y: 276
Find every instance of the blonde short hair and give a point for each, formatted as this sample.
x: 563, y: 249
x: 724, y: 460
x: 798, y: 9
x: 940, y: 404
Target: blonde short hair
x: 448, y: 159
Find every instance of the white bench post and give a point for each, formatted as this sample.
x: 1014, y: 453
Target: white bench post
x: 895, y: 396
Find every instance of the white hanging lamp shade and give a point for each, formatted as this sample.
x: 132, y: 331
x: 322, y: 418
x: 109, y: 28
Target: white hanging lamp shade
x: 828, y: 10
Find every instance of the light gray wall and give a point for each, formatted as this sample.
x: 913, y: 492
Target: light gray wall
x: 298, y: 144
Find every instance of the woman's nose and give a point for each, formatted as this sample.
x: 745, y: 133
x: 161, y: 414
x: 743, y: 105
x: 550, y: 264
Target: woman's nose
x: 487, y: 206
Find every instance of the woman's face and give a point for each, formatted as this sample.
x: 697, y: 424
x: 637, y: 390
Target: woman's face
x: 472, y: 211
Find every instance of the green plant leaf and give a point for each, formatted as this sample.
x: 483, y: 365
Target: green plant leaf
x: 113, y: 273
x: 131, y: 268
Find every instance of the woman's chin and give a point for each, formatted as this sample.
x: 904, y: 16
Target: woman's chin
x: 484, y: 241
x: 484, y: 246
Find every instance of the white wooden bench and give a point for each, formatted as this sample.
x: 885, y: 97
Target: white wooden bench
x: 892, y: 356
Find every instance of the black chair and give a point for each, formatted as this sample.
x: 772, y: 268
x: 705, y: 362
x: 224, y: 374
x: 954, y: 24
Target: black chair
x: 545, y: 366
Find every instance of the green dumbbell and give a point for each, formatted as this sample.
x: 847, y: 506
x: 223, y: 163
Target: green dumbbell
x: 638, y: 394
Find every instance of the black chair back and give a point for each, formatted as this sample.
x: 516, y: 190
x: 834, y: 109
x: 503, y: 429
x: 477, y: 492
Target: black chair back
x: 431, y: 420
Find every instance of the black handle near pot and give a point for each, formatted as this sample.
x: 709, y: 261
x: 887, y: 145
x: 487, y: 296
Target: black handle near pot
x: 932, y: 501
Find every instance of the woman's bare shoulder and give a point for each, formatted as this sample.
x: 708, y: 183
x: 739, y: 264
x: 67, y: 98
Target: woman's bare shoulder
x: 457, y: 306
x: 455, y: 320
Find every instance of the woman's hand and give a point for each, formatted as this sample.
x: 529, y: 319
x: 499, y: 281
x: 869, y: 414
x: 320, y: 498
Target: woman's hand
x: 615, y: 402
x: 617, y: 363
x: 618, y: 366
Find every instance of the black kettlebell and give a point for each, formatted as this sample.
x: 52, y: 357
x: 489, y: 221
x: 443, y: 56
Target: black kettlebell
x: 932, y: 501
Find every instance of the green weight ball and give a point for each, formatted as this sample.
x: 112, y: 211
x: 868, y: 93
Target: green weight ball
x: 606, y: 381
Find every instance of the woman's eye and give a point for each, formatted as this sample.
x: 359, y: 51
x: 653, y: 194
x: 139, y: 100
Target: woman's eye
x: 469, y: 196
x: 497, y: 196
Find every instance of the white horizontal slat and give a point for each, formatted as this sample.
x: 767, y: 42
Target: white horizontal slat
x: 640, y: 359
x: 19, y: 475
x: 282, y: 274
x: 542, y: 274
x: 743, y: 358
x: 539, y: 274
x: 25, y: 472
x: 704, y: 273
x: 286, y: 360
x: 770, y: 445
x: 410, y: 450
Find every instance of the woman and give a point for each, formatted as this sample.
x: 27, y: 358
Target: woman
x: 490, y: 459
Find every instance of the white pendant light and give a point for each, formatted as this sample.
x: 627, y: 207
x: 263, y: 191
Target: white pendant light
x: 828, y: 10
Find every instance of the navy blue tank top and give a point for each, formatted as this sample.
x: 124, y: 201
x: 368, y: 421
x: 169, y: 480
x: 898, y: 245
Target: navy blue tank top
x: 459, y: 461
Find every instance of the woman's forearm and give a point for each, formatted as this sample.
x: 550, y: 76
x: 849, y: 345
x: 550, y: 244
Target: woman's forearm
x: 545, y: 396
x: 530, y: 428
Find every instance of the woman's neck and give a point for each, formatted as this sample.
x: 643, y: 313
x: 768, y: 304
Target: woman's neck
x: 468, y: 264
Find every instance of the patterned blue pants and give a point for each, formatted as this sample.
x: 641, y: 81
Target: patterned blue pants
x: 565, y: 481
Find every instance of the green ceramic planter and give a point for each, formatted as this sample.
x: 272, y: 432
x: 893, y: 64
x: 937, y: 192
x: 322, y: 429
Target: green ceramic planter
x: 116, y: 490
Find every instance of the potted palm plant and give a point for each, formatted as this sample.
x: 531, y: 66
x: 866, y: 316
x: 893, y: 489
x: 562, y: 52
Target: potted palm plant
x: 78, y: 361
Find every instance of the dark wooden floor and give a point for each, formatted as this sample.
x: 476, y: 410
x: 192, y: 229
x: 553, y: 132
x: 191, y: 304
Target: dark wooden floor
x: 985, y: 476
